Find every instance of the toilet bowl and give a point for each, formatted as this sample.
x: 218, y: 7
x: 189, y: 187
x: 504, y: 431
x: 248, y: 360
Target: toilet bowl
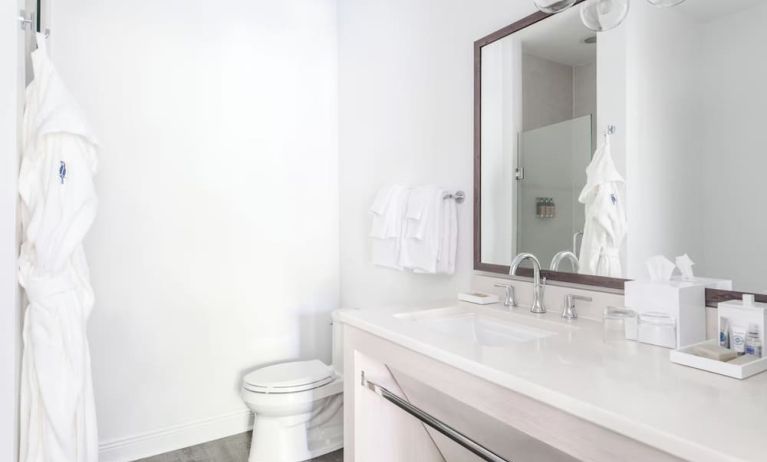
x: 297, y: 407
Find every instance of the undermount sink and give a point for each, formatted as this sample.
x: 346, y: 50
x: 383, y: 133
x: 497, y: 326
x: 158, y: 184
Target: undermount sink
x: 474, y: 327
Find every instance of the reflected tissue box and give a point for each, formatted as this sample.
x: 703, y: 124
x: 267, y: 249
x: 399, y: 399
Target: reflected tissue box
x: 671, y: 314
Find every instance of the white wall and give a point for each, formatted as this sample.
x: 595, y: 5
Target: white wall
x: 663, y: 170
x: 215, y: 249
x: 733, y: 73
x: 406, y: 111
x: 501, y: 124
x: 11, y: 82
x: 547, y: 95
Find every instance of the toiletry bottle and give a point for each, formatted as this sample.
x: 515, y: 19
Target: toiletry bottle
x: 539, y: 207
x: 553, y: 209
x: 753, y: 342
x: 738, y: 340
x: 724, y: 333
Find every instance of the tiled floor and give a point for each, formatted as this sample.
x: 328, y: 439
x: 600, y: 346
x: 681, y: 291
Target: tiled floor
x: 232, y: 449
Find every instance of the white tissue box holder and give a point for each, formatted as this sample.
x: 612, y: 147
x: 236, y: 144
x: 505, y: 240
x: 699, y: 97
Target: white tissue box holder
x: 683, y: 301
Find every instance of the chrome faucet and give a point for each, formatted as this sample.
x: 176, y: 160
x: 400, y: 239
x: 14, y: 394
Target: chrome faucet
x: 564, y: 255
x: 510, y: 299
x: 568, y: 310
x: 537, y: 306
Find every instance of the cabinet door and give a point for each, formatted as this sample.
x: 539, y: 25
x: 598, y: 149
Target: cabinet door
x: 499, y: 437
x: 386, y: 432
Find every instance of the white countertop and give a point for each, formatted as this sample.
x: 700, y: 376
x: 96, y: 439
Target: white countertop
x: 630, y: 388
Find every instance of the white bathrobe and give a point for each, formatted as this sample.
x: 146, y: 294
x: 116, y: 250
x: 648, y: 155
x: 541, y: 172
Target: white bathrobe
x: 605, y: 227
x: 58, y: 419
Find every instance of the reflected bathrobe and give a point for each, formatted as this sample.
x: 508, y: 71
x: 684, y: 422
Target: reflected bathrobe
x: 605, y: 226
x: 58, y: 419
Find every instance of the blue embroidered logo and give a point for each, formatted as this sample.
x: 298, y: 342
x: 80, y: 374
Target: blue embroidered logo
x: 62, y: 171
x: 613, y: 199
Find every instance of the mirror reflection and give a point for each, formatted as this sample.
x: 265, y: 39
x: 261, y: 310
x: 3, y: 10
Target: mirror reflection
x: 683, y: 88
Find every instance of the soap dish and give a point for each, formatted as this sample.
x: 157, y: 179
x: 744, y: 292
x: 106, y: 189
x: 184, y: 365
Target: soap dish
x: 736, y: 370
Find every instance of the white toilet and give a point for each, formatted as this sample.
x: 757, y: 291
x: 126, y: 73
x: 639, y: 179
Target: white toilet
x: 298, y: 407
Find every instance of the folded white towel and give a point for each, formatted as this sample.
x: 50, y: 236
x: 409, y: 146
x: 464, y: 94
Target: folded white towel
x: 414, y: 229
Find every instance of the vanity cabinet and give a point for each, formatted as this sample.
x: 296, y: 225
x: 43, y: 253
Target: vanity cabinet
x: 513, y: 426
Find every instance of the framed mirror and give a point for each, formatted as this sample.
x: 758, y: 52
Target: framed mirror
x: 673, y: 96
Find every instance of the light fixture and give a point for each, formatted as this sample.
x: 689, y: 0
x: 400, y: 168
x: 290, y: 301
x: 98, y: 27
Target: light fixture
x: 665, y: 3
x: 599, y: 15
x: 553, y: 6
x: 602, y: 15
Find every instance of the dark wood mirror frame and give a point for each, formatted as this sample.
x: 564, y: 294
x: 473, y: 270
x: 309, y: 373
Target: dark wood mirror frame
x: 713, y: 296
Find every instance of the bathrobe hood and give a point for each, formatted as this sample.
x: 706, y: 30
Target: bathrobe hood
x: 50, y: 106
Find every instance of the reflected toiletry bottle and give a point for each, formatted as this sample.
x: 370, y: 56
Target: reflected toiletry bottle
x: 738, y: 340
x: 724, y: 333
x: 539, y: 207
x: 753, y: 342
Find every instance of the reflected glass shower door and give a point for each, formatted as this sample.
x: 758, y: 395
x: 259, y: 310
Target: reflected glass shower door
x: 554, y: 159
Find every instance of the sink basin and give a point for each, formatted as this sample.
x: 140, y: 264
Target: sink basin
x: 475, y: 328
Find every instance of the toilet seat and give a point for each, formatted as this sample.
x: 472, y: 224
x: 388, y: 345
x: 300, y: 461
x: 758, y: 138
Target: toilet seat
x: 292, y: 377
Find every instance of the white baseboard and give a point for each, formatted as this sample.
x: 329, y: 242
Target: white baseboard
x: 175, y: 437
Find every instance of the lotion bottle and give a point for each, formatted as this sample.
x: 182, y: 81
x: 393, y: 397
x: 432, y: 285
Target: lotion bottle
x: 753, y: 343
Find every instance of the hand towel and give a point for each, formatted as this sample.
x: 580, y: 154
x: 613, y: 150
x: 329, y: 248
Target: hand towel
x: 388, y: 210
x: 421, y: 240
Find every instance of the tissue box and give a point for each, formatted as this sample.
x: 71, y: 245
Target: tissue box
x: 683, y: 304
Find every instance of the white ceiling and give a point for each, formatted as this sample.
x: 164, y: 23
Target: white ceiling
x: 559, y: 39
x: 707, y: 10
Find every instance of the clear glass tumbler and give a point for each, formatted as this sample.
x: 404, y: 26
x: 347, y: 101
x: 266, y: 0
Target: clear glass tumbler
x: 614, y: 323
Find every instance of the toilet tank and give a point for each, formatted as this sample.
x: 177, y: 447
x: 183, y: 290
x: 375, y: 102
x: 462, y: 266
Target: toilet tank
x: 338, y: 343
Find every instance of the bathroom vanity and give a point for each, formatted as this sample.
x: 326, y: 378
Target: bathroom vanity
x: 534, y: 388
x: 675, y: 99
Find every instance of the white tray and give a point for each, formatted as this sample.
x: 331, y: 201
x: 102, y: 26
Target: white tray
x: 738, y: 371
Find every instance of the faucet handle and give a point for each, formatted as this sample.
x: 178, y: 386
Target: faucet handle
x: 568, y: 311
x: 510, y: 298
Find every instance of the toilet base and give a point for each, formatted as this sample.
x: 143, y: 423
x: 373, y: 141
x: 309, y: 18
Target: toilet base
x: 299, y: 437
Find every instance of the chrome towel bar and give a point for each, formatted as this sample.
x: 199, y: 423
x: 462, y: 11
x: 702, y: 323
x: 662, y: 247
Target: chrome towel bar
x: 468, y: 443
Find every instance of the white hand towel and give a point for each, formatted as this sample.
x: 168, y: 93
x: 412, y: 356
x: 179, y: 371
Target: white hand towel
x: 449, y: 237
x: 421, y: 241
x: 387, y: 210
x: 386, y: 230
x: 414, y: 229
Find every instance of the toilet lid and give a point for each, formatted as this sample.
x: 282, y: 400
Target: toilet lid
x: 289, y: 377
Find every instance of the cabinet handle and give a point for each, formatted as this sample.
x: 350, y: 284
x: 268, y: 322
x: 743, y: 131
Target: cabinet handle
x: 468, y: 443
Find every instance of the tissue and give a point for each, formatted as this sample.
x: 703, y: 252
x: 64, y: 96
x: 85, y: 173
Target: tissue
x: 685, y: 264
x: 660, y: 268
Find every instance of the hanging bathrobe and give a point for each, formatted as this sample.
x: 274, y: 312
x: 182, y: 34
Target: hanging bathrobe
x: 58, y: 419
x: 605, y: 226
